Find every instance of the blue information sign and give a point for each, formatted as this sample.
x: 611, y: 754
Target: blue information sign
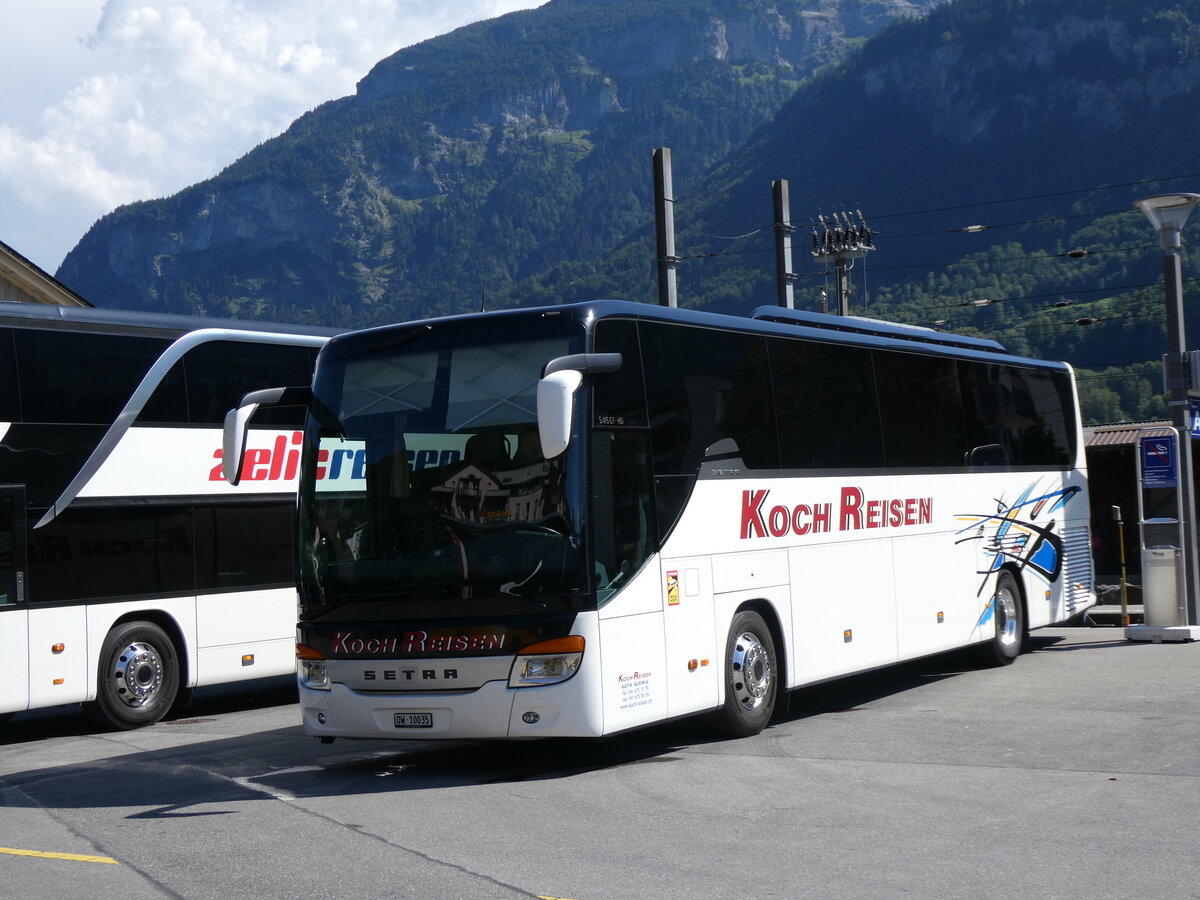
x: 1158, y: 461
x: 1194, y: 404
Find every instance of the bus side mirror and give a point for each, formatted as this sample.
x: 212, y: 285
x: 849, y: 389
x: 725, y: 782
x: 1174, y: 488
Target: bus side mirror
x: 233, y: 441
x: 560, y: 380
x: 555, y: 404
x: 237, y: 423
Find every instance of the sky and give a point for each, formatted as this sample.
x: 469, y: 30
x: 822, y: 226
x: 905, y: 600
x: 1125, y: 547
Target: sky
x: 107, y: 102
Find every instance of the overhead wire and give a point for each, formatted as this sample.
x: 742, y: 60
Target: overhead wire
x: 975, y: 229
x: 1076, y: 253
x: 1046, y: 196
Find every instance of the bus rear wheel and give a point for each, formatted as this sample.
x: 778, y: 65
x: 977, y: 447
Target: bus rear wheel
x: 751, y: 677
x: 139, y: 676
x: 1009, y: 615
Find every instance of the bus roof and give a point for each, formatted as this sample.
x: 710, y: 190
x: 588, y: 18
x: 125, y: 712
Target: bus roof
x: 858, y: 325
x: 765, y: 320
x: 14, y: 313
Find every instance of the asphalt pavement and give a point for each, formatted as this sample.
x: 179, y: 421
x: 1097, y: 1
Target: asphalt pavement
x: 1074, y: 772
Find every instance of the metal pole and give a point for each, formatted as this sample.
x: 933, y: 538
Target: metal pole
x: 843, y: 287
x: 784, y: 279
x: 1116, y: 511
x: 664, y: 227
x: 1177, y: 399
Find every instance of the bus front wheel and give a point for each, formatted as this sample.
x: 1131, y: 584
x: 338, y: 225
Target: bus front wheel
x: 1009, y: 615
x: 139, y: 676
x: 751, y: 677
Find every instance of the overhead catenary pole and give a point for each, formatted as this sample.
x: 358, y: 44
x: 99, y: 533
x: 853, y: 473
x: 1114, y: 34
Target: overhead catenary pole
x: 841, y: 240
x: 784, y: 279
x: 664, y: 227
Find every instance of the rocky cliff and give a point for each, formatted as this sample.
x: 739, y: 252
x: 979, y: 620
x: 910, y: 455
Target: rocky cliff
x: 472, y: 160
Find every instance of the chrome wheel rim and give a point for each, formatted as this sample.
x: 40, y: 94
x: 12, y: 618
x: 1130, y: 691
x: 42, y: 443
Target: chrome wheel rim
x: 750, y: 668
x: 137, y: 674
x: 1006, y: 617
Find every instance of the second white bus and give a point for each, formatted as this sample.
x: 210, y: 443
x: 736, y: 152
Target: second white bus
x: 130, y: 571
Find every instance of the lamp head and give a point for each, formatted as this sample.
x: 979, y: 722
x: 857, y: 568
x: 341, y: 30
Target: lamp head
x: 1167, y: 213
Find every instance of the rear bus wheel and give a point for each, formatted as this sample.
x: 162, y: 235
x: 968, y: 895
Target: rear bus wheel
x: 751, y: 677
x: 1009, y: 615
x: 139, y: 676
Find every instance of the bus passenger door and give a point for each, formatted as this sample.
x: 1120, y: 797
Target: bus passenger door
x: 693, y: 659
x: 14, y: 616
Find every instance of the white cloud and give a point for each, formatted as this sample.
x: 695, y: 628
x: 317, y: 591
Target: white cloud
x: 143, y: 97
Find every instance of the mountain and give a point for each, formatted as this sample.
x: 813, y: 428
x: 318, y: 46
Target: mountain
x: 1038, y: 122
x: 471, y: 161
x: 509, y: 163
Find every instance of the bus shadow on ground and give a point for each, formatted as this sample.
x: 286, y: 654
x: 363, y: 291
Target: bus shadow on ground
x: 204, y: 706
x: 283, y: 764
x: 1111, y: 639
x: 854, y: 692
x: 462, y: 764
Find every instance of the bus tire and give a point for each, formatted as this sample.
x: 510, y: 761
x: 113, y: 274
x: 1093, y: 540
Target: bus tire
x: 138, y: 677
x: 1009, y: 614
x: 751, y: 677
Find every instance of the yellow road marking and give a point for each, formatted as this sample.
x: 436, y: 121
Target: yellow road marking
x: 77, y: 857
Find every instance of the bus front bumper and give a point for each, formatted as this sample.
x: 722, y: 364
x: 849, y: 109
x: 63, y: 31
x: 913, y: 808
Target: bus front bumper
x: 492, y: 711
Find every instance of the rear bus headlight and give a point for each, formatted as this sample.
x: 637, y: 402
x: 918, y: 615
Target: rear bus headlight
x: 310, y: 668
x: 547, y: 662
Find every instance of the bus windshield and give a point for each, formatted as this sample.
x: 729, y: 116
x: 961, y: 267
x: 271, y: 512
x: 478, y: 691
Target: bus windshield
x: 425, y: 487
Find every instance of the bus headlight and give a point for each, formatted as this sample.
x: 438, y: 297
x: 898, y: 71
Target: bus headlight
x: 547, y: 662
x: 310, y: 668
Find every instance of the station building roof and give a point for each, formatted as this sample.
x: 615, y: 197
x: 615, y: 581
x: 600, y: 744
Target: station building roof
x: 22, y: 281
x: 1120, y: 434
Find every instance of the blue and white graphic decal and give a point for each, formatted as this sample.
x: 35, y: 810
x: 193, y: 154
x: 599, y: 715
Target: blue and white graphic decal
x: 1012, y: 535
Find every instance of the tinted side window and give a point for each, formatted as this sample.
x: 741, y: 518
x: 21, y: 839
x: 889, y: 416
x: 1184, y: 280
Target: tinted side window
x: 79, y: 377
x: 703, y: 385
x: 619, y: 398
x: 46, y: 457
x: 985, y: 402
x: 168, y: 404
x: 220, y: 373
x: 92, y: 553
x: 1027, y: 413
x: 921, y: 410
x: 10, y: 400
x: 244, y: 545
x: 1043, y: 438
x: 827, y: 405
x: 622, y: 521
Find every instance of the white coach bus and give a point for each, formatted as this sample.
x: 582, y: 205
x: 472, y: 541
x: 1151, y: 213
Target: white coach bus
x: 580, y: 520
x: 130, y: 571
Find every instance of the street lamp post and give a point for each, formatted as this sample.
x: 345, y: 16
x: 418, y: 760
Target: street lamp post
x: 1168, y: 213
